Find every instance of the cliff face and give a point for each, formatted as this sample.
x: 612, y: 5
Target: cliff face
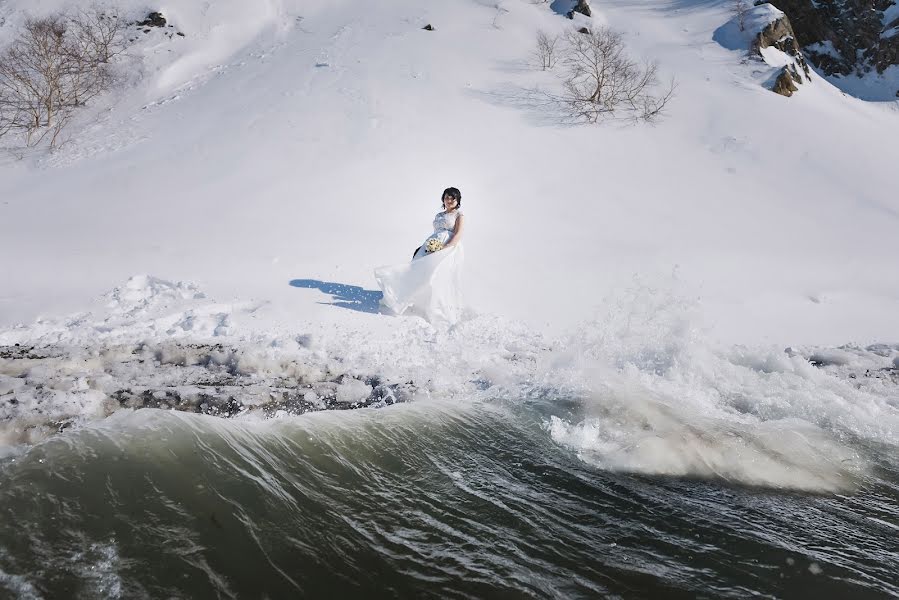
x: 846, y: 36
x: 780, y: 34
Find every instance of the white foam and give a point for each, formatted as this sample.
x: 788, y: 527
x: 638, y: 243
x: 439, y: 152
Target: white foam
x: 19, y: 585
x: 648, y: 435
x: 661, y: 399
x: 99, y: 567
x: 656, y: 395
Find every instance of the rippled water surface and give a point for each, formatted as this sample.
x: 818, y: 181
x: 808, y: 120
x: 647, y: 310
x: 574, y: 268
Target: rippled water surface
x: 418, y: 500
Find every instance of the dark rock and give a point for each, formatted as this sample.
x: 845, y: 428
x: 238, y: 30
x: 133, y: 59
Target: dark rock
x: 154, y: 19
x: 584, y: 30
x: 18, y: 352
x: 852, y: 28
x: 779, y: 34
x: 63, y: 425
x: 428, y: 27
x: 582, y: 7
x: 784, y: 85
x: 800, y: 60
x: 181, y: 34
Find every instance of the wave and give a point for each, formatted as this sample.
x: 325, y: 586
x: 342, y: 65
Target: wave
x: 660, y: 398
x: 469, y: 498
x: 638, y: 389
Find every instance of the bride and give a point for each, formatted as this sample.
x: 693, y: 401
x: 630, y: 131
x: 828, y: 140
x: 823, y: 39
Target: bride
x: 429, y: 286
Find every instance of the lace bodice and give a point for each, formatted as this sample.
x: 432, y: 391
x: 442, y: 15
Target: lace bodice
x: 446, y: 221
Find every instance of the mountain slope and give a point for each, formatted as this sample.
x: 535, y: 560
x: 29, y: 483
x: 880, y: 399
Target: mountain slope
x: 311, y: 141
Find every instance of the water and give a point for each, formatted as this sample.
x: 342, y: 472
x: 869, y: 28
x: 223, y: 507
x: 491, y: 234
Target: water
x: 469, y: 499
x: 633, y: 458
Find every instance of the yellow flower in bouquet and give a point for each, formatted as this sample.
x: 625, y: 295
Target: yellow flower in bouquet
x: 433, y: 245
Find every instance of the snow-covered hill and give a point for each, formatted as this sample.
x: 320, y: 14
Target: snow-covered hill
x: 311, y: 140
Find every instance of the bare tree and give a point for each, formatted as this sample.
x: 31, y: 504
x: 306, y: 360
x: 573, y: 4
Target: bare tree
x: 546, y: 49
x: 56, y: 65
x: 99, y: 33
x: 601, y: 81
x: 96, y: 37
x: 740, y: 9
x: 32, y: 74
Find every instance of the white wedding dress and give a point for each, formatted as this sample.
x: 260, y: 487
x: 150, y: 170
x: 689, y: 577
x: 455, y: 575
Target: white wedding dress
x: 429, y: 286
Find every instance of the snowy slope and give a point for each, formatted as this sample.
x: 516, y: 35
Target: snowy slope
x: 310, y: 141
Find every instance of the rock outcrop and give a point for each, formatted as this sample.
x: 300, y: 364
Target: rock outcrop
x: 154, y: 19
x: 779, y: 34
x: 785, y: 84
x: 582, y: 7
x: 842, y: 37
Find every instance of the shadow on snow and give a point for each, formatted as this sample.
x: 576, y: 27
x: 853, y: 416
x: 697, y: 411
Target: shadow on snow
x: 352, y: 297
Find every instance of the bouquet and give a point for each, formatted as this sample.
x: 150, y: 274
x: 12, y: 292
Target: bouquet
x: 433, y: 245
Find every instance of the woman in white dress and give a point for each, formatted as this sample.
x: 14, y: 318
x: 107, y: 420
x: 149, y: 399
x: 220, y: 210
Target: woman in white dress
x: 429, y: 286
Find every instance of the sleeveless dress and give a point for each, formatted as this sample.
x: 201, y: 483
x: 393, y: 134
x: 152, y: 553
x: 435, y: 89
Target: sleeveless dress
x: 430, y: 285
x: 444, y: 224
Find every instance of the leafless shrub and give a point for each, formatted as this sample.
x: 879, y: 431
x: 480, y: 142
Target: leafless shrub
x: 32, y: 77
x: 56, y: 65
x: 740, y: 9
x: 99, y: 33
x: 546, y: 49
x: 601, y: 81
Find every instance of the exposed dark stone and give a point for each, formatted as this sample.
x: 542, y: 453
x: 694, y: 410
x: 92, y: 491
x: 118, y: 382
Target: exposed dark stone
x: 18, y: 352
x: 779, y: 34
x: 154, y: 19
x: 582, y: 7
x: 584, y: 30
x: 852, y: 27
x: 428, y: 27
x: 784, y: 85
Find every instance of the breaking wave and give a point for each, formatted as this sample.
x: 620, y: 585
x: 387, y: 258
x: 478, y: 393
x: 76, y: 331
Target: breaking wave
x: 638, y: 389
x: 489, y: 460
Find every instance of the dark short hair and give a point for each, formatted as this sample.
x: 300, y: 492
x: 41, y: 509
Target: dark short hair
x: 454, y: 192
